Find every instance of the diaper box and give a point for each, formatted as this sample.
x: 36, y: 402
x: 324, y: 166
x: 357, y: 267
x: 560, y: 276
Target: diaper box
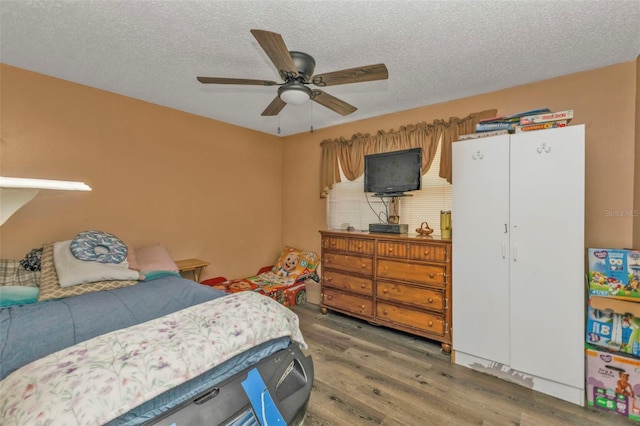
x: 613, y: 382
x: 614, y: 272
x: 614, y: 324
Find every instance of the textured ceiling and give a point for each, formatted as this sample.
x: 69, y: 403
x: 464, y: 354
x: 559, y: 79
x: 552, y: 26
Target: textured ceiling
x: 435, y: 51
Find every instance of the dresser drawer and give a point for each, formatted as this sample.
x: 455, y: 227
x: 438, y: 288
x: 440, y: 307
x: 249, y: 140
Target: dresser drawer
x: 347, y: 282
x: 347, y: 302
x: 428, y: 252
x: 352, y: 245
x: 392, y: 249
x: 421, y: 297
x: 431, y: 274
x: 345, y: 262
x: 432, y: 323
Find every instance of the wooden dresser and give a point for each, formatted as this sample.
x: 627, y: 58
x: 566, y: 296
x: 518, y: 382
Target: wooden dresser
x: 396, y: 280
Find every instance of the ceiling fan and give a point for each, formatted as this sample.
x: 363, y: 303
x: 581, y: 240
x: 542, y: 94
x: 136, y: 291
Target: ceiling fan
x: 296, y: 70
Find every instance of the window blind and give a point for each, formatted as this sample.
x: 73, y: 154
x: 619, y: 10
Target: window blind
x: 349, y: 205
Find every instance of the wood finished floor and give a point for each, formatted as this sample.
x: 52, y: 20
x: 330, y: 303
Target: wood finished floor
x: 370, y: 375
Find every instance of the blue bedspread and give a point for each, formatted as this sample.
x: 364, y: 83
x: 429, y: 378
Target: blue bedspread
x: 30, y: 332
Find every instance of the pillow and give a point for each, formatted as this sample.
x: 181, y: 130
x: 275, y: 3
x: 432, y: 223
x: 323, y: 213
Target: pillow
x: 98, y: 246
x: 72, y: 271
x: 12, y: 273
x: 50, y: 287
x: 131, y: 258
x: 17, y: 295
x: 31, y: 261
x: 293, y: 261
x: 154, y: 258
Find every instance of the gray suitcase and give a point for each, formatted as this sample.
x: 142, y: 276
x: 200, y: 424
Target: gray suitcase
x: 274, y: 391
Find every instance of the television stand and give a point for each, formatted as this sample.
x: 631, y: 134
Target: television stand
x: 391, y: 194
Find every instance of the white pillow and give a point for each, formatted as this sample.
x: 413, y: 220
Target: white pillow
x: 72, y: 271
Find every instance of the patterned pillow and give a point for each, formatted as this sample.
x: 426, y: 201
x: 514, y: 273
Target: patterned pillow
x: 50, y: 287
x: 293, y: 261
x: 31, y: 261
x: 98, y: 246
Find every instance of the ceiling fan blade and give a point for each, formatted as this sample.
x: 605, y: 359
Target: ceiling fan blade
x: 274, y: 107
x: 276, y: 50
x: 220, y: 80
x: 333, y: 103
x: 352, y: 75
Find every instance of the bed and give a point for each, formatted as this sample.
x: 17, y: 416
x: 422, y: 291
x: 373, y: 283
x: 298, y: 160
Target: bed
x: 284, y: 281
x: 151, y: 353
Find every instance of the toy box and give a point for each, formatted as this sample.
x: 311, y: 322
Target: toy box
x: 614, y: 324
x: 614, y: 272
x: 613, y: 382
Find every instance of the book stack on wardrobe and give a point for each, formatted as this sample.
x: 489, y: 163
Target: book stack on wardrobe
x: 526, y: 121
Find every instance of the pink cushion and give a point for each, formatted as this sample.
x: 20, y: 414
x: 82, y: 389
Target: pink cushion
x: 154, y: 258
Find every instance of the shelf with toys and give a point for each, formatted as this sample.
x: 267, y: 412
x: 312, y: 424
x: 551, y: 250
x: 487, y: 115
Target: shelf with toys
x: 613, y: 331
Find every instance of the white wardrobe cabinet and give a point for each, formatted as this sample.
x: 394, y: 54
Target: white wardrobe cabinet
x: 518, y: 258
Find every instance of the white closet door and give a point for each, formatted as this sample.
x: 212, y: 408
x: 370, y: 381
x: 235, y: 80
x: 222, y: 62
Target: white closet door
x: 547, y: 254
x: 480, y: 261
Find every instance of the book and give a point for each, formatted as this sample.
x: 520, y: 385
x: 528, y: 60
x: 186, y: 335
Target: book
x: 483, y: 134
x: 526, y: 113
x: 498, y: 125
x: 550, y: 116
x: 510, y: 117
x: 542, y: 126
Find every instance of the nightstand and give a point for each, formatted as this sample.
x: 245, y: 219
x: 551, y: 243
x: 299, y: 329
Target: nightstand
x: 194, y: 265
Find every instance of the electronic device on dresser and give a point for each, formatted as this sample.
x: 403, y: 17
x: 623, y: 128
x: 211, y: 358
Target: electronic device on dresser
x: 389, y: 228
x: 392, y: 174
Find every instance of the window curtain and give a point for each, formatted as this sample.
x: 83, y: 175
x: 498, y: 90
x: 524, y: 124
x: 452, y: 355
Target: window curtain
x: 349, y: 153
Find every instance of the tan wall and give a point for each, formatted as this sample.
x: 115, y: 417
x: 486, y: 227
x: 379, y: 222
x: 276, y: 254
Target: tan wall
x: 203, y: 188
x: 160, y: 175
x: 603, y: 99
x: 636, y: 180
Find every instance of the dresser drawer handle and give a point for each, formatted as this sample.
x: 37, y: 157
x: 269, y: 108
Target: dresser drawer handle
x: 329, y: 297
x: 363, y: 286
x: 430, y: 323
x: 359, y: 246
x: 431, y: 275
x: 426, y: 252
x: 430, y: 300
x: 363, y: 266
x: 384, y: 312
x: 362, y: 307
x: 328, y: 279
x: 333, y: 243
x: 385, y: 290
x: 390, y: 249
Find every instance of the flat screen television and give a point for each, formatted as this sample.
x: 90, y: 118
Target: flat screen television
x: 393, y: 173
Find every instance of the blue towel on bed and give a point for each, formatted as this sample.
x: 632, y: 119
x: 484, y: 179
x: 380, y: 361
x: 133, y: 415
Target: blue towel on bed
x: 29, y: 332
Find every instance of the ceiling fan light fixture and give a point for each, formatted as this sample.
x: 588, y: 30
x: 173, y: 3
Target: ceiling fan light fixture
x: 294, y: 93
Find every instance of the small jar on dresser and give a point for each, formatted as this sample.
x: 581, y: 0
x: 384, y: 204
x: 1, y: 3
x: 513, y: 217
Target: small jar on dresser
x: 399, y: 281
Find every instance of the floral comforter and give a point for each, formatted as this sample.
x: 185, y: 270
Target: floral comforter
x: 97, y: 380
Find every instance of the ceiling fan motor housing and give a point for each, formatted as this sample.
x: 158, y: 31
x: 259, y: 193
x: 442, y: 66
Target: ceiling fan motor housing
x: 305, y: 64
